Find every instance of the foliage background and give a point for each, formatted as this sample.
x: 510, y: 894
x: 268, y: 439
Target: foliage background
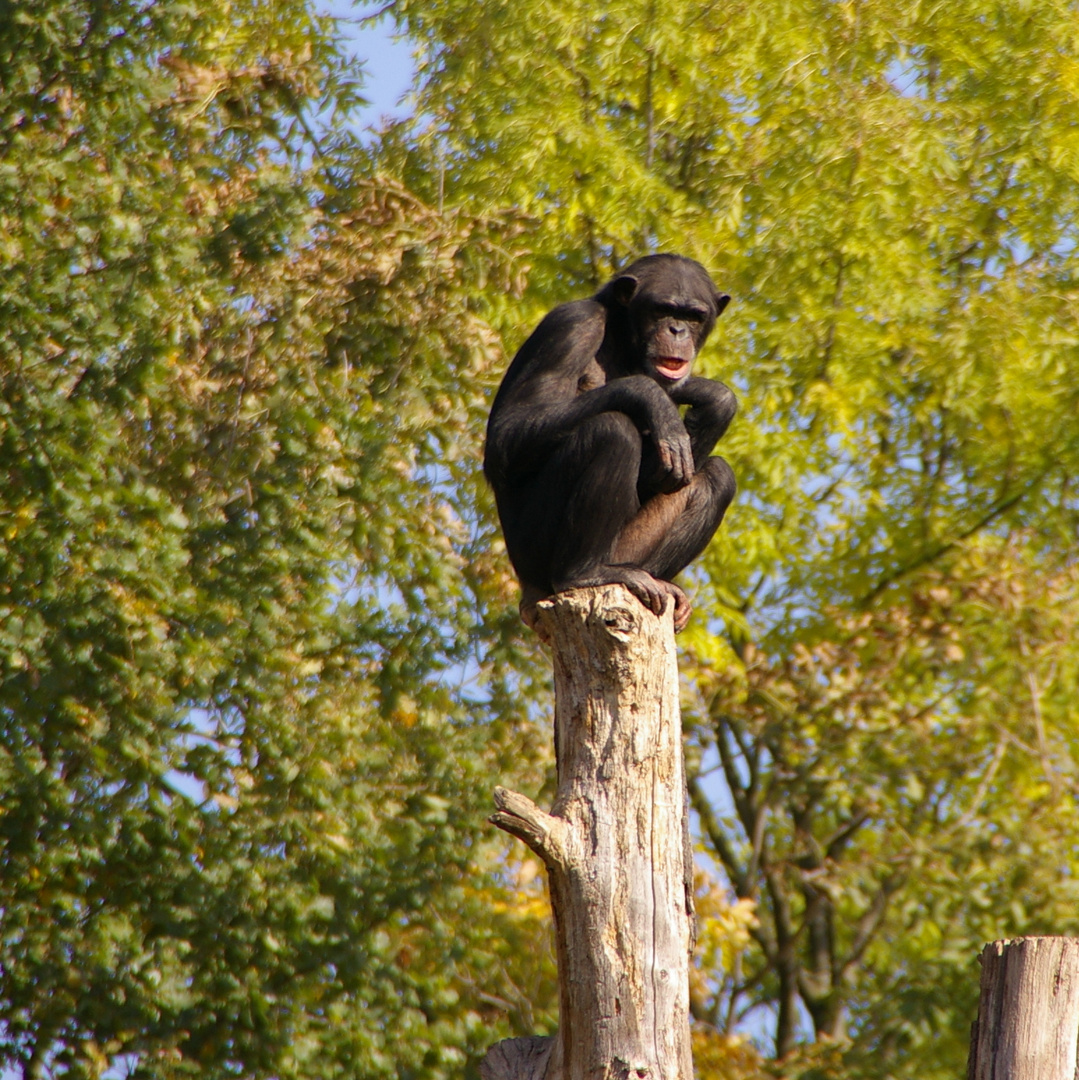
x: 259, y: 659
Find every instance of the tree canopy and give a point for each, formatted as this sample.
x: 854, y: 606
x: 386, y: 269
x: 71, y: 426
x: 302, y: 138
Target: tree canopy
x: 260, y: 662
x: 243, y: 576
x: 880, y: 690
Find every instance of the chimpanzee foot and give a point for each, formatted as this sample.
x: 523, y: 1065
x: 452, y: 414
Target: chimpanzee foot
x: 682, y: 606
x: 654, y: 592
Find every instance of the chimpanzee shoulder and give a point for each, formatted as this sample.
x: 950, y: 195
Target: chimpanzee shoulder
x: 566, y: 340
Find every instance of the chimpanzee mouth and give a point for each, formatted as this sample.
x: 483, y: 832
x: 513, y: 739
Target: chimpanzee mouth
x: 672, y: 367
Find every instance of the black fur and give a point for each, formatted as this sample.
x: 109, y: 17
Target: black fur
x: 597, y: 477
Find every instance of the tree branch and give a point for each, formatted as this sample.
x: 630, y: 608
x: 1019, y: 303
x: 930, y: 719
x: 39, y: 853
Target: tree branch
x: 521, y: 817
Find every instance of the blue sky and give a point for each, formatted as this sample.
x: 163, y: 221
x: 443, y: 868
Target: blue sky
x: 387, y: 64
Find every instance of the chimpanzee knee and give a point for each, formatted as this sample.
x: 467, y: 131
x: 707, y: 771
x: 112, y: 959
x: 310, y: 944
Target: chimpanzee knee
x: 719, y: 480
x: 609, y: 431
x: 707, y: 499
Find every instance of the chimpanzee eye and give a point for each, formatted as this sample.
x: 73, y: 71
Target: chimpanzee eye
x: 685, y: 314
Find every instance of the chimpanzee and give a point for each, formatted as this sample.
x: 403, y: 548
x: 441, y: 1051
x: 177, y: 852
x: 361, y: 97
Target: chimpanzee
x: 597, y: 477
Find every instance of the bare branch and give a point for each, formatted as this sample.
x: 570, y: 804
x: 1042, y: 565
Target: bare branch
x: 521, y: 817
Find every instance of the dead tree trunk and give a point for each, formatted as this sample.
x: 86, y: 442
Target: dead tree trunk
x: 615, y: 846
x: 1028, y: 1013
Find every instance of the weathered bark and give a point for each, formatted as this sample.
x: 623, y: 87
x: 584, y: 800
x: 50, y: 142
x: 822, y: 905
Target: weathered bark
x: 521, y: 1059
x: 618, y: 866
x: 1028, y: 1014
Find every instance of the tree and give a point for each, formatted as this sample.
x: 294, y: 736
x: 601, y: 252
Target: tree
x: 242, y: 569
x: 899, y: 796
x: 888, y: 192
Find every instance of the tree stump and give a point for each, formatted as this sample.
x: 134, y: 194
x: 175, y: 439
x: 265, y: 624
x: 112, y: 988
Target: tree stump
x: 1028, y: 1012
x: 616, y: 849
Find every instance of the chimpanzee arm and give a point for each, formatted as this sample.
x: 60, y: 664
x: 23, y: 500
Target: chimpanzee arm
x: 711, y: 408
x: 528, y: 433
x: 540, y: 401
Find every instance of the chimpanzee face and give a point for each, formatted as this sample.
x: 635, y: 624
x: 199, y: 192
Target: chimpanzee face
x: 669, y: 336
x: 671, y: 305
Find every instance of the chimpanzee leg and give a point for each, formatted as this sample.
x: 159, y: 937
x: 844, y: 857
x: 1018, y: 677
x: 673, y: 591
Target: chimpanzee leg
x: 671, y: 530
x: 560, y: 525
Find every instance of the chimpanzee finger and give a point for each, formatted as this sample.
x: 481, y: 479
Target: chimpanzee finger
x: 657, y: 600
x: 673, y: 457
x: 666, y: 457
x: 686, y: 448
x: 682, y: 611
x: 682, y: 468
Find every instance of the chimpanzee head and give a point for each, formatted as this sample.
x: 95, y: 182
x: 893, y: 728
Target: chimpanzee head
x: 670, y: 306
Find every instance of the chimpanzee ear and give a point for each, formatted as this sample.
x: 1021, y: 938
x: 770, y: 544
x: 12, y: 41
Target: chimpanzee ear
x: 623, y: 288
x: 722, y: 300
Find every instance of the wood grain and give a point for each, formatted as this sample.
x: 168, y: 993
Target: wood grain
x: 1028, y: 1012
x: 614, y: 847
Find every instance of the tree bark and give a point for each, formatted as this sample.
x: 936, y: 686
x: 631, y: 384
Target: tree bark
x: 615, y: 847
x: 1028, y: 1013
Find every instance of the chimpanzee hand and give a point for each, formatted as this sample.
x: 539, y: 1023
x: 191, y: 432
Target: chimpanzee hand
x: 675, y: 456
